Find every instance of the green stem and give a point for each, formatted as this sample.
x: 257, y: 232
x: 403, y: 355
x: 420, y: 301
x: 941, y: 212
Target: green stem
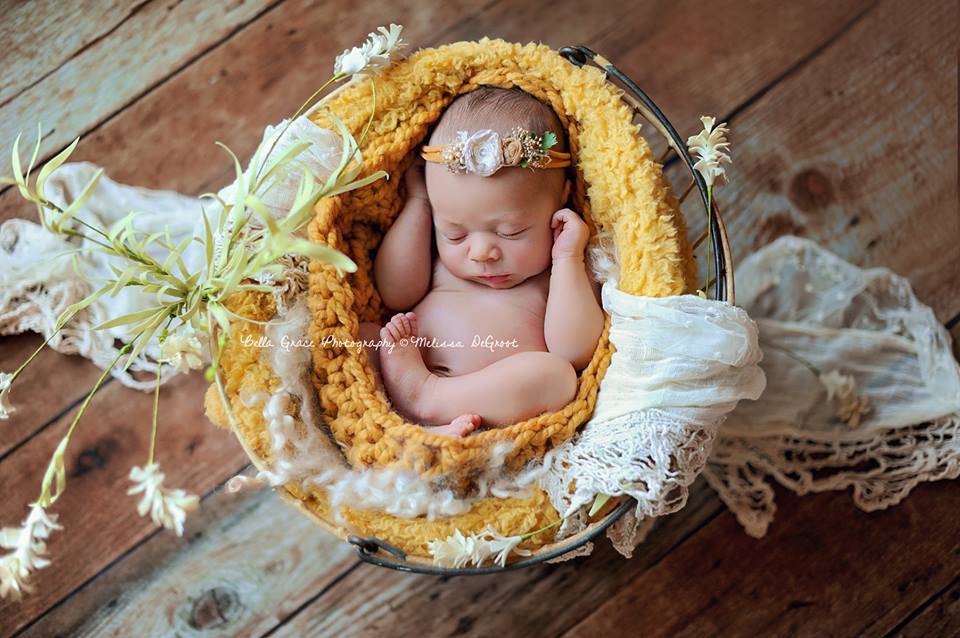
x: 335, y: 78
x: 46, y: 500
x: 156, y: 403
x: 541, y: 530
x: 814, y: 369
x: 373, y: 91
x: 706, y: 286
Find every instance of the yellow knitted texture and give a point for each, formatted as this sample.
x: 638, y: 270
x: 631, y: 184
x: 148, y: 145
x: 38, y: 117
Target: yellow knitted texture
x: 618, y: 186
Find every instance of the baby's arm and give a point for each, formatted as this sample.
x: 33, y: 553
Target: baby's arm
x: 574, y: 319
x: 403, y: 263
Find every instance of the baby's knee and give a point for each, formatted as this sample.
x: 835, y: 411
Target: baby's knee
x: 554, y: 379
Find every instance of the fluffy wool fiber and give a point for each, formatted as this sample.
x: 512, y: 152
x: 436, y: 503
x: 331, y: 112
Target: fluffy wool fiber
x: 618, y: 187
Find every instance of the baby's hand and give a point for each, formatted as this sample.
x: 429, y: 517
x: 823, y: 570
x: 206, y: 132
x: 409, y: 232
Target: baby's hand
x: 415, y: 180
x: 570, y: 234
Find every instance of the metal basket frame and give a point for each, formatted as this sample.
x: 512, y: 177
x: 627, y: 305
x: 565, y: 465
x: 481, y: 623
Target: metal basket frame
x: 369, y: 549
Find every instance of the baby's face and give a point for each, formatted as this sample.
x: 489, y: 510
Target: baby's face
x: 497, y: 225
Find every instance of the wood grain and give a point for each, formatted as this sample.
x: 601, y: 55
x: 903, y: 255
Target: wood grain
x: 27, y: 30
x: 236, y: 572
x: 537, y: 601
x: 825, y: 566
x: 830, y: 153
x: 941, y: 617
x: 110, y: 73
x: 100, y: 520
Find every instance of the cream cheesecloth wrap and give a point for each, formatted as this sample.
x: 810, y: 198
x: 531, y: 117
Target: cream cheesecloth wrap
x: 681, y: 365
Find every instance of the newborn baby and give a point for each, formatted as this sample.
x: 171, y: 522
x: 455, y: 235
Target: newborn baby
x: 491, y: 269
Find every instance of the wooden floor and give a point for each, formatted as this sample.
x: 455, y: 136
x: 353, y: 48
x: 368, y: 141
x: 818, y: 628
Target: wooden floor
x: 844, y: 120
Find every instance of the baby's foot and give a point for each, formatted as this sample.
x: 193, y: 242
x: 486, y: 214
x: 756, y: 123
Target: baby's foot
x: 460, y: 426
x: 401, y: 365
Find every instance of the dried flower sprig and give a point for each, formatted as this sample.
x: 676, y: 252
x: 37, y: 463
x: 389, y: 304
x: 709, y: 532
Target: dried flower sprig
x: 458, y: 550
x: 28, y: 543
x: 167, y: 507
x: 710, y: 146
x: 849, y: 406
x: 245, y: 243
x: 375, y: 54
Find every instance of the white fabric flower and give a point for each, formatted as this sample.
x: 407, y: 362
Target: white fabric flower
x: 167, y: 507
x: 6, y: 408
x: 375, y: 54
x: 710, y: 146
x: 457, y: 550
x: 28, y: 543
x: 481, y: 151
x: 183, y: 350
x: 850, y: 406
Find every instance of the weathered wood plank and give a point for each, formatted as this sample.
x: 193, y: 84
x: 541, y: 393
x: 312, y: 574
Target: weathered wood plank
x: 831, y: 153
x: 28, y: 31
x: 100, y: 520
x: 39, y: 393
x: 245, y: 563
x: 537, y: 601
x: 102, y: 78
x: 940, y: 618
x: 136, y: 47
x: 825, y: 568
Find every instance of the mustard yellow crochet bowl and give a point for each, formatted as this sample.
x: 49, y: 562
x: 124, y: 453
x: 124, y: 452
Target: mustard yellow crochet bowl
x: 618, y: 187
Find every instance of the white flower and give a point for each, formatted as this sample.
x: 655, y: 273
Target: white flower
x: 167, y: 507
x: 457, y: 550
x: 183, y: 350
x: 6, y: 408
x: 482, y: 154
x: 850, y: 407
x: 710, y: 145
x: 28, y: 543
x: 373, y: 55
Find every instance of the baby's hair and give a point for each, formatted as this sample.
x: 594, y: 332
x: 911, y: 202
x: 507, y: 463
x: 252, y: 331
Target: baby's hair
x: 486, y: 106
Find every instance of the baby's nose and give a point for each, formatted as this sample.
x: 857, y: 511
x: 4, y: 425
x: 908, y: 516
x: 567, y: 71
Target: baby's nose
x: 482, y: 250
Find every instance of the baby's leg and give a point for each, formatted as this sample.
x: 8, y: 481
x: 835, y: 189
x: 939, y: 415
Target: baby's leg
x: 402, y: 372
x: 513, y: 389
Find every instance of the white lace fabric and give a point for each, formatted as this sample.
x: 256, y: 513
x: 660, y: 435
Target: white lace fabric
x: 684, y: 391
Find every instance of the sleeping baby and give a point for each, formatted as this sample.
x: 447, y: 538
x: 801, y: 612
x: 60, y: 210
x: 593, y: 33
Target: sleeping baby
x: 485, y: 268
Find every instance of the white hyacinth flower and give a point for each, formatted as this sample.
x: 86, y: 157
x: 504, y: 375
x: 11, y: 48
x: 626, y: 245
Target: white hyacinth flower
x: 167, y: 507
x: 6, y: 408
x: 29, y: 546
x: 710, y: 145
x: 850, y: 406
x: 183, y: 350
x: 379, y: 50
x: 457, y: 550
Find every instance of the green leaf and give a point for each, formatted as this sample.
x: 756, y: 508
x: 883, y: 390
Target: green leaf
x: 323, y: 253
x: 75, y: 205
x: 549, y: 139
x: 598, y: 504
x: 54, y: 164
x: 55, y: 478
x: 127, y: 318
x: 207, y: 239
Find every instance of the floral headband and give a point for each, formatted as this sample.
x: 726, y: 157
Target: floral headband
x: 484, y: 152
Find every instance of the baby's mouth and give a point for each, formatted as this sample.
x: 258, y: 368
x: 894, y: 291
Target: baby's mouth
x: 494, y: 278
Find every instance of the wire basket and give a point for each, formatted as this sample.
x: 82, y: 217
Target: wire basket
x: 713, y: 241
